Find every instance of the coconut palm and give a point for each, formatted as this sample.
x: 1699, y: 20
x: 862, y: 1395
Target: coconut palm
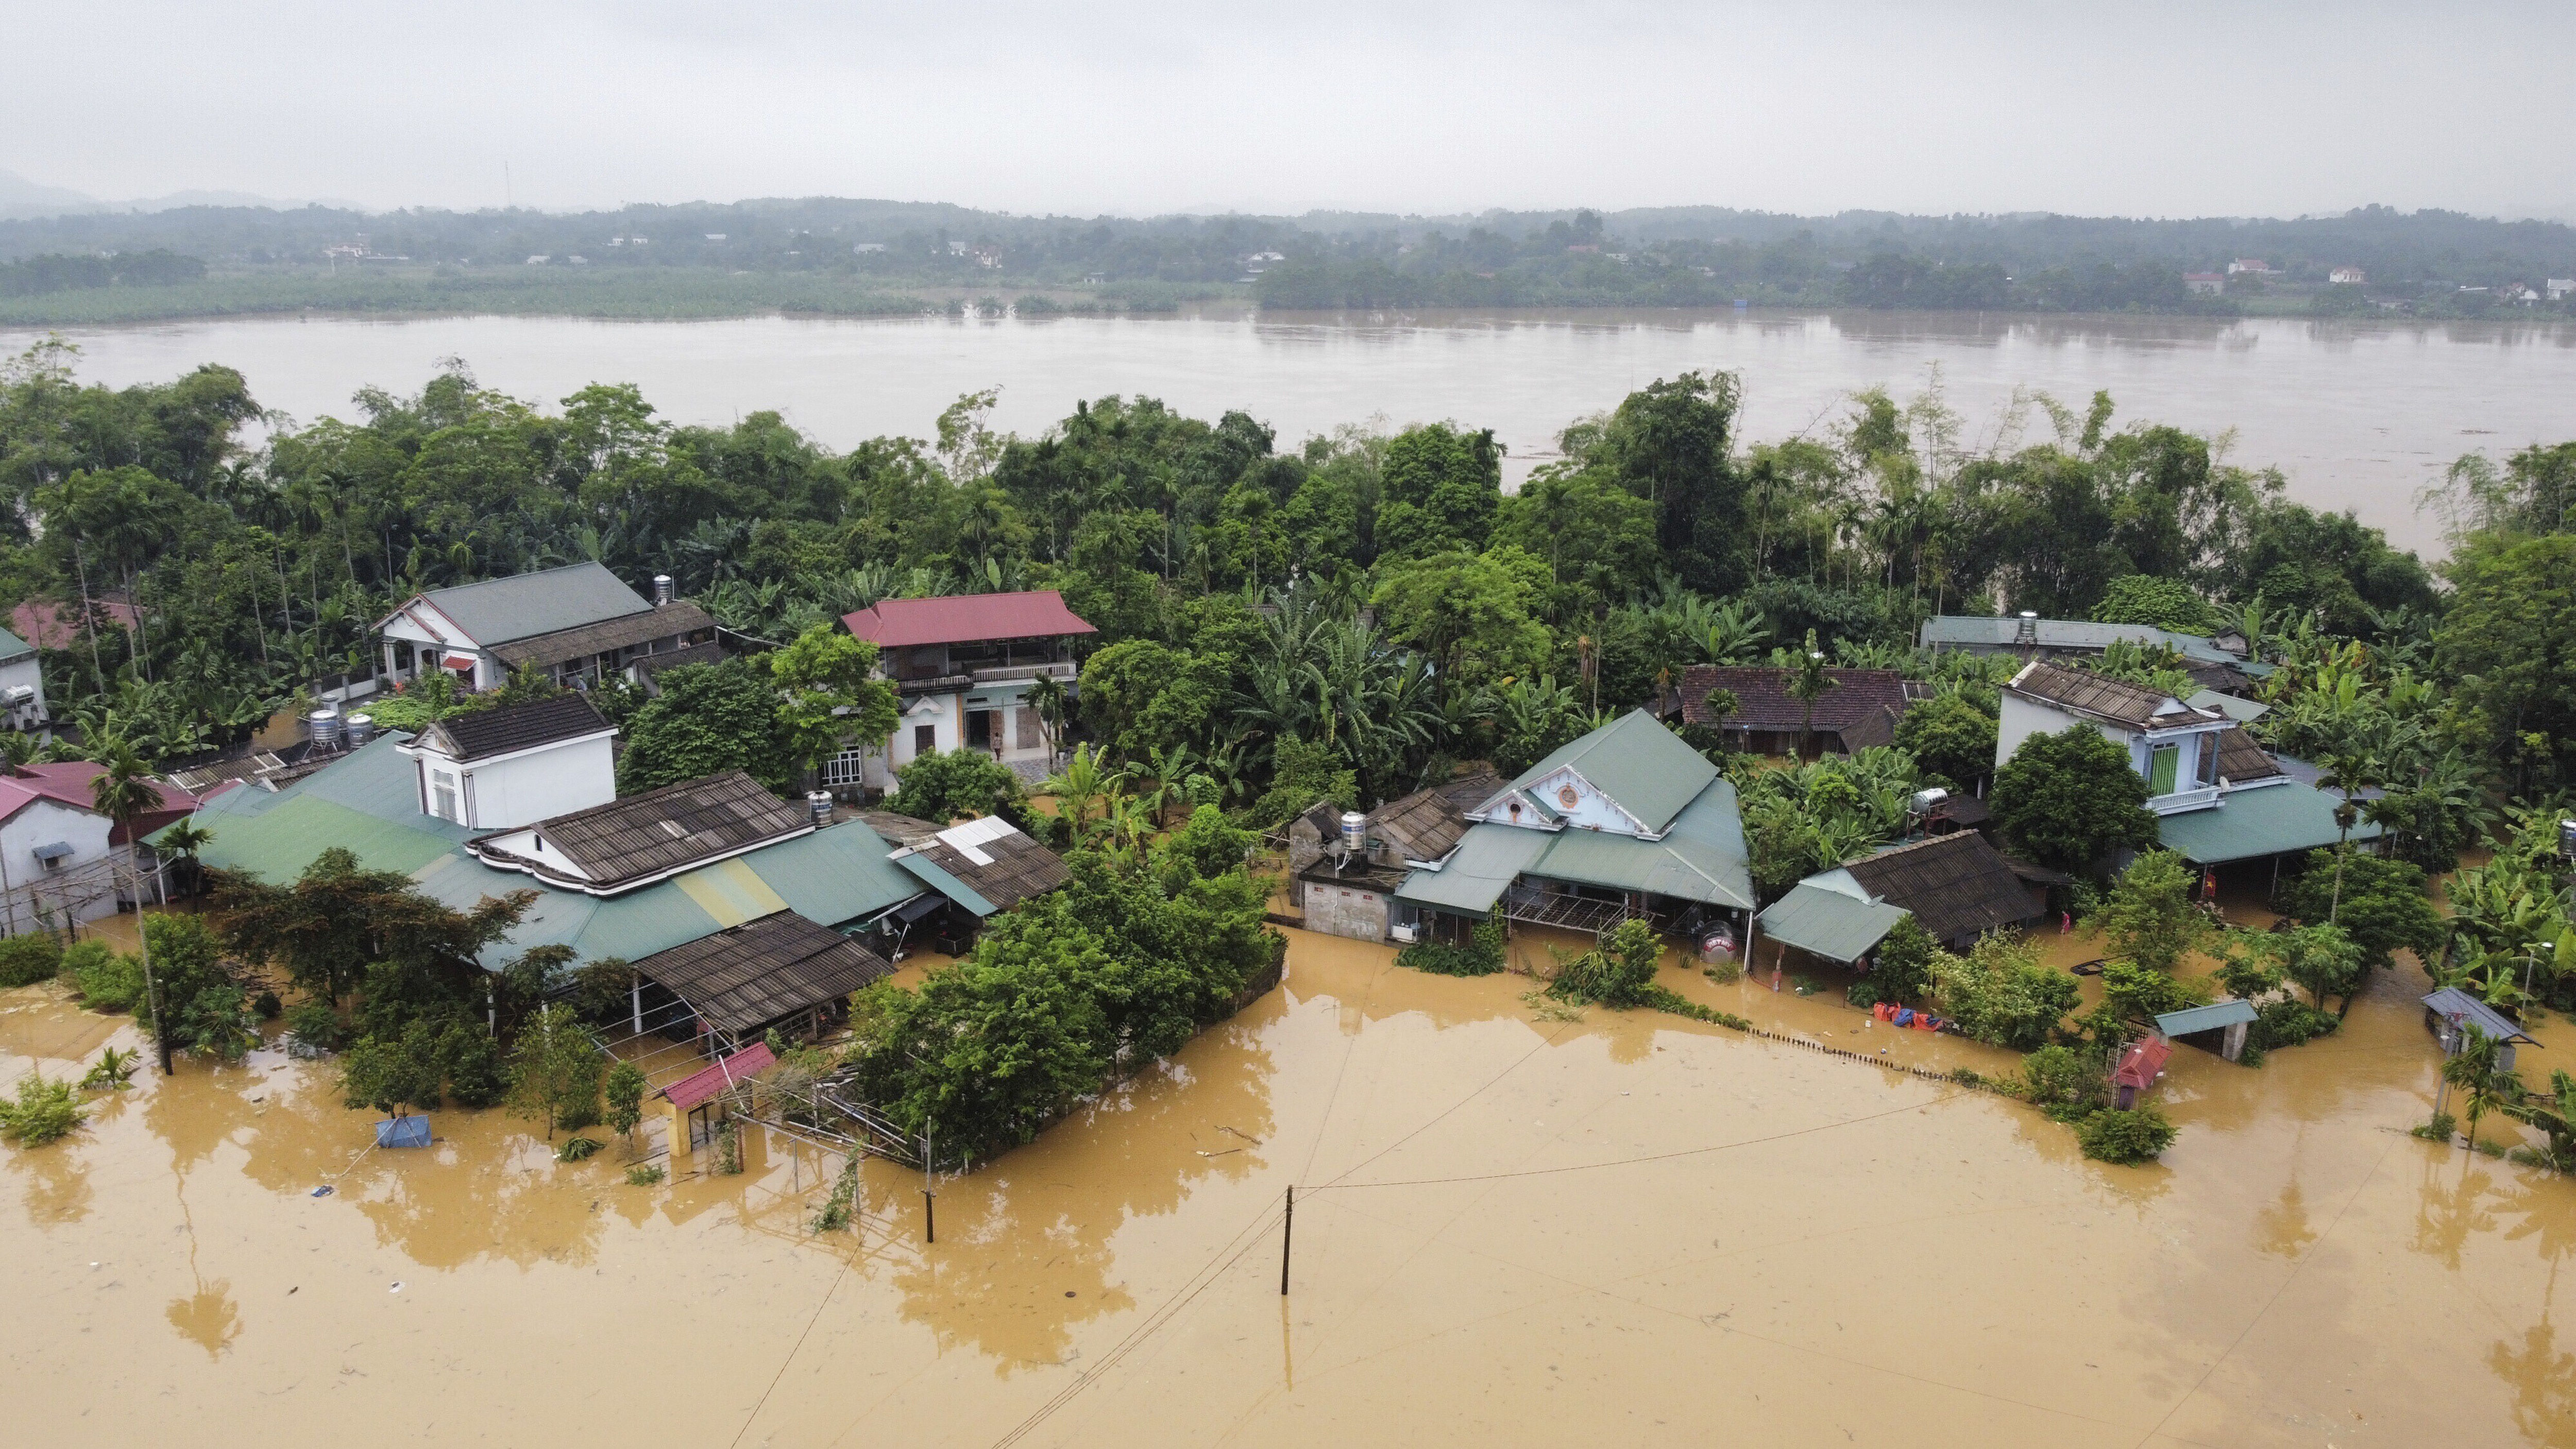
x: 2483, y: 1084
x: 1806, y: 680
x: 2347, y: 775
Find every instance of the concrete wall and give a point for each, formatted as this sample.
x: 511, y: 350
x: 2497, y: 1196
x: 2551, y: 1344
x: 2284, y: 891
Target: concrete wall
x: 524, y: 789
x: 1342, y: 910
x: 44, y: 822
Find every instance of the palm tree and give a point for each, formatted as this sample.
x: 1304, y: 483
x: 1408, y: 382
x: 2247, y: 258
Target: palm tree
x: 2347, y: 775
x: 124, y: 791
x: 184, y: 839
x: 1806, y: 680
x: 1047, y: 698
x: 1082, y: 781
x: 2473, y: 1070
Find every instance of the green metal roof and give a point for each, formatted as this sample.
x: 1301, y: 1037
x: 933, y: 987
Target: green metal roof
x: 2267, y: 820
x: 2206, y: 1018
x: 11, y: 646
x: 1637, y: 762
x: 1828, y: 923
x: 930, y: 873
x: 1701, y: 858
x: 368, y: 803
x: 1488, y: 858
x: 2243, y: 711
x: 522, y: 606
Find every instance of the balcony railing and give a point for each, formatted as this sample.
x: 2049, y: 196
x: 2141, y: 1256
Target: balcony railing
x: 2180, y: 801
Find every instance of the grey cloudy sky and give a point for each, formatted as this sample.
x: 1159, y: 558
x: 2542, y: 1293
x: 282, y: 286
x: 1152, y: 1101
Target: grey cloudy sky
x: 2164, y: 109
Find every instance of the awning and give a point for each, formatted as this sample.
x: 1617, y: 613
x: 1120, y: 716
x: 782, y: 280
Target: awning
x: 1828, y: 923
x: 457, y: 661
x: 53, y: 851
x: 2230, y: 1012
x: 726, y: 1074
x: 926, y: 903
x: 2460, y: 1006
x: 930, y: 873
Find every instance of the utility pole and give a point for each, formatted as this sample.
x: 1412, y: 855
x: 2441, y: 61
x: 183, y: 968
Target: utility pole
x: 1287, y: 1230
x: 929, y: 1199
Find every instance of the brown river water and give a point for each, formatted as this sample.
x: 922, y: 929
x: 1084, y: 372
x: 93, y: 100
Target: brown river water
x: 1626, y: 1228
x: 2356, y: 414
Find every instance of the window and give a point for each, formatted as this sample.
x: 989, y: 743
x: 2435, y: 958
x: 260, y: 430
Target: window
x: 2208, y: 771
x: 842, y: 768
x: 2163, y: 761
x: 925, y: 739
x: 442, y: 797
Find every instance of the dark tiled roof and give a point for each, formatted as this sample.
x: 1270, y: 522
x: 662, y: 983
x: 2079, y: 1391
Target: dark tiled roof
x: 661, y: 831
x: 744, y: 978
x: 1956, y: 885
x: 708, y: 653
x: 1427, y: 824
x: 1867, y: 700
x: 482, y: 733
x: 1020, y: 867
x: 670, y: 621
x: 2116, y: 700
x: 2241, y: 760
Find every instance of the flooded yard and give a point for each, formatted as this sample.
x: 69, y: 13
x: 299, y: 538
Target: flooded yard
x: 1626, y: 1228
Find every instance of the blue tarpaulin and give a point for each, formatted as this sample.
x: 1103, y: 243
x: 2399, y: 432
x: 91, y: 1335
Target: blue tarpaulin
x: 403, y: 1132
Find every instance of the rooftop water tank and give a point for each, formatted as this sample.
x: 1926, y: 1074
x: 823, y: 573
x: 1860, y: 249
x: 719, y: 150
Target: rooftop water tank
x: 818, y: 804
x: 362, y: 728
x: 322, y: 726
x: 1354, y: 831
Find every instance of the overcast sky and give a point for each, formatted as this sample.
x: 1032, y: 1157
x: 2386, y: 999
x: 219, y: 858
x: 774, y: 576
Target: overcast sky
x: 2129, y: 109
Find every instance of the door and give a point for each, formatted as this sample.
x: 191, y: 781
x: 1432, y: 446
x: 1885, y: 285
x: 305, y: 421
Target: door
x: 2162, y: 763
x: 925, y: 740
x: 979, y: 729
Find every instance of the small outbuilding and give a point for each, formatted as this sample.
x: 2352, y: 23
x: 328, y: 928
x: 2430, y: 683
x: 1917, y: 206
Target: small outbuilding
x: 2221, y: 1026
x: 2138, y: 1070
x: 1957, y: 887
x: 2450, y: 1011
x: 695, y: 1105
x: 781, y: 971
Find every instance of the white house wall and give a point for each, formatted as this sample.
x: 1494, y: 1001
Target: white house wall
x: 25, y: 670
x: 44, y: 822
x: 2022, y: 717
x: 525, y: 789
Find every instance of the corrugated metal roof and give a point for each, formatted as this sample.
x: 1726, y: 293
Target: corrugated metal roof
x: 1637, y: 762
x: 2270, y: 820
x: 1828, y: 923
x: 929, y: 873
x: 479, y: 734
x: 367, y: 802
x: 1956, y: 885
x: 669, y: 621
x: 1974, y: 631
x: 1488, y: 858
x: 2230, y: 1012
x: 725, y: 1074
x: 2241, y: 710
x: 745, y: 977
x: 2117, y: 700
x: 11, y: 646
x: 966, y: 619
x: 498, y: 611
x: 2452, y: 1002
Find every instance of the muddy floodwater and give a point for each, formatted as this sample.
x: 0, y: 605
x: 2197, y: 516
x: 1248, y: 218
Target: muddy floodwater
x: 1622, y: 1229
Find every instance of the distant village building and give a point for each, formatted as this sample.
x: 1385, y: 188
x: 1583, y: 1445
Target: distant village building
x: 963, y: 666
x: 2204, y: 284
x: 1860, y: 711
x: 2347, y: 276
x: 575, y: 625
x: 2559, y: 287
x: 2251, y: 266
x: 2221, y: 663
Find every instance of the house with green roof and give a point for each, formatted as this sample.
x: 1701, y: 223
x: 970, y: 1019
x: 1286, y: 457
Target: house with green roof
x: 580, y: 622
x: 369, y: 802
x: 1625, y: 822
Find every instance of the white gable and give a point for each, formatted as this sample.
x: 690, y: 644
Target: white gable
x: 1561, y: 799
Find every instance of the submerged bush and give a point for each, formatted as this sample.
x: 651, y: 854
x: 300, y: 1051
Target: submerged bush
x: 2140, y: 1134
x: 1618, y: 972
x: 2063, y: 1082
x: 644, y: 1176
x: 1482, y: 955
x: 42, y: 1112
x: 316, y: 1027
x: 26, y: 960
x: 105, y: 979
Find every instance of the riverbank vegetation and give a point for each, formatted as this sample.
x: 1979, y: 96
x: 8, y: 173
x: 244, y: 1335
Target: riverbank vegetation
x: 833, y: 256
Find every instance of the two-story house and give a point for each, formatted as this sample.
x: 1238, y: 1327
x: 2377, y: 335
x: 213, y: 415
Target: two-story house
x: 963, y: 665
x: 575, y: 624
x: 2218, y: 796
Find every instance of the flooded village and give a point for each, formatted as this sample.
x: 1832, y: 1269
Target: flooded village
x: 982, y: 949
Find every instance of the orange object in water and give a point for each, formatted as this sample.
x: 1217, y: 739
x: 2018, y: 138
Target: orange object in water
x: 1922, y: 1021
x: 1883, y: 1011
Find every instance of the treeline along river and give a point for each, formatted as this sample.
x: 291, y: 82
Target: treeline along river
x: 2357, y: 415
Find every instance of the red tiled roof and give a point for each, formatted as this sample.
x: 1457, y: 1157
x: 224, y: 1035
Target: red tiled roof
x: 2143, y: 1063
x: 728, y: 1072
x: 52, y: 626
x: 966, y: 619
x: 68, y: 783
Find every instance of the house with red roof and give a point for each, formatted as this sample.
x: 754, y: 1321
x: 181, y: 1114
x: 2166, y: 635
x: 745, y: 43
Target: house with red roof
x: 963, y: 665
x: 61, y: 862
